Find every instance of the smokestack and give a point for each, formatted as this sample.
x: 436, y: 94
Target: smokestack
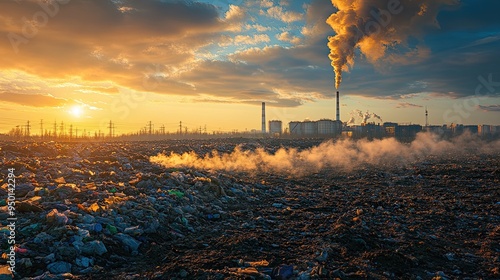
x: 338, y: 107
x: 263, y: 117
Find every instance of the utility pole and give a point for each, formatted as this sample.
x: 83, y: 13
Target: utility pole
x: 150, y: 127
x: 70, y: 131
x: 55, y: 129
x: 180, y: 127
x: 41, y: 129
x: 76, y: 132
x: 62, y: 129
x: 28, y: 129
x: 110, y: 129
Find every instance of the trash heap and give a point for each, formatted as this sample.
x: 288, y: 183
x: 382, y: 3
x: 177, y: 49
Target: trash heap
x: 81, y: 212
x: 104, y: 211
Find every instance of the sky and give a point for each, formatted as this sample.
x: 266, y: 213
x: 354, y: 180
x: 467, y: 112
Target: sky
x: 210, y: 64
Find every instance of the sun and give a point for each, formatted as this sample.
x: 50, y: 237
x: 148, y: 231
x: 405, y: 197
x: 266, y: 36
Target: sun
x: 76, y: 111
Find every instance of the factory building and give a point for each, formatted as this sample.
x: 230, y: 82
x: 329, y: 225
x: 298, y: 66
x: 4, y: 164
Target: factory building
x: 473, y: 129
x: 310, y: 127
x: 319, y: 128
x: 484, y: 130
x: 329, y: 127
x: 275, y: 127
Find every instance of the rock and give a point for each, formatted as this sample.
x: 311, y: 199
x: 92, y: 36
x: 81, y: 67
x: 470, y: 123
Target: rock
x: 93, y: 248
x: 66, y: 253
x: 24, y: 207
x: 283, y: 272
x: 43, y: 237
x: 304, y: 276
x: 50, y: 258
x: 183, y: 273
x: 60, y: 180
x: 66, y: 190
x: 56, y: 218
x: 129, y: 242
x: 23, y: 189
x: 59, y: 267
x: 84, y: 262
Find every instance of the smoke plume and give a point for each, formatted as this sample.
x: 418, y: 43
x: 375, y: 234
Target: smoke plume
x: 377, y: 117
x: 376, y: 26
x: 342, y: 155
x: 363, y: 116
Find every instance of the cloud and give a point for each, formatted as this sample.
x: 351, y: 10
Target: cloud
x: 266, y: 3
x: 490, y: 108
x: 33, y: 100
x: 251, y: 40
x: 192, y: 49
x: 285, y: 16
x: 162, y: 53
x: 258, y: 27
x: 234, y: 17
x: 408, y: 105
x: 287, y: 37
x: 235, y: 13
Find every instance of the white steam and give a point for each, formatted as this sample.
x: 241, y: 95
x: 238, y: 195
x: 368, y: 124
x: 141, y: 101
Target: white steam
x: 364, y: 117
x: 343, y: 154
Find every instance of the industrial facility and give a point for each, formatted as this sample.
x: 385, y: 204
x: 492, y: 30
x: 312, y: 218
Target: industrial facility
x: 275, y: 127
x: 327, y: 128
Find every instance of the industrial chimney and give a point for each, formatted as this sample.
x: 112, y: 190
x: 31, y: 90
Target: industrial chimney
x: 263, y: 117
x: 338, y: 107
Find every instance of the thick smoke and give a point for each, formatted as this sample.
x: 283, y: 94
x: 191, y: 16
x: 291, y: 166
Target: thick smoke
x: 342, y: 155
x: 374, y: 26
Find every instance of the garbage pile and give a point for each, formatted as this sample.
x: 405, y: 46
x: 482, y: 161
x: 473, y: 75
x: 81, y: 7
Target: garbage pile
x: 104, y: 211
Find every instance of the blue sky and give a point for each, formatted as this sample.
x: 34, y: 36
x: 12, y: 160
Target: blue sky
x: 213, y: 62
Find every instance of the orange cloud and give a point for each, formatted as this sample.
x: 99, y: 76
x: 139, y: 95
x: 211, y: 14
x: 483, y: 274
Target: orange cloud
x: 33, y: 100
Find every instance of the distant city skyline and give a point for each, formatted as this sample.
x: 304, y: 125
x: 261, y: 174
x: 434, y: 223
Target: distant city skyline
x: 211, y: 63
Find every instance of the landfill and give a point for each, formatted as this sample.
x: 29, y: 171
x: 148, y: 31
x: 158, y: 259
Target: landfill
x: 107, y: 211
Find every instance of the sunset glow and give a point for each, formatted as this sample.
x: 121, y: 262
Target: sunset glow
x: 76, y: 111
x: 211, y: 63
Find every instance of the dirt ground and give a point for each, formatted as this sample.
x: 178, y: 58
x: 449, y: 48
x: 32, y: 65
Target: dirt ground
x: 436, y: 219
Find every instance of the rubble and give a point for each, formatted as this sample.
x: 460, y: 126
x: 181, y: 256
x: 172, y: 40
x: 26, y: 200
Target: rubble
x: 86, y: 214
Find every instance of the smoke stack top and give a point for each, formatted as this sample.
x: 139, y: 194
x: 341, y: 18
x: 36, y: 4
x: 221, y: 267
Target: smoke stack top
x: 378, y: 25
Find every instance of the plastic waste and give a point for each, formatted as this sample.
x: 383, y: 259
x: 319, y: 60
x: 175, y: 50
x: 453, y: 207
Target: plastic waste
x: 178, y: 194
x: 94, y: 247
x: 59, y: 267
x: 111, y: 229
x: 282, y: 272
x: 56, y: 218
x: 129, y: 242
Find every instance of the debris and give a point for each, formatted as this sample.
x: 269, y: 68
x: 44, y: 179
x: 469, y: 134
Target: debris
x: 59, y: 267
x: 282, y: 272
x: 95, y: 209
